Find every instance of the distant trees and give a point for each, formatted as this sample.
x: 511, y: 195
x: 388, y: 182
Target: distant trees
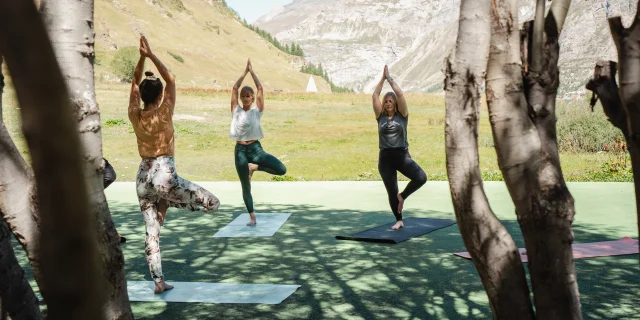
x: 311, y: 68
x: 293, y: 49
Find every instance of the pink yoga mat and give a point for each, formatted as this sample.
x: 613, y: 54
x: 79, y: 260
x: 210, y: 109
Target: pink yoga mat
x: 620, y: 247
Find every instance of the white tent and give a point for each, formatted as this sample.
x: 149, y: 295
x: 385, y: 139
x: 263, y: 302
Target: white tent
x: 311, y: 86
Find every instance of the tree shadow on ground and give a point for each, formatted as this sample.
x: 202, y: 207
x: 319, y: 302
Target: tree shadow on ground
x: 416, y: 279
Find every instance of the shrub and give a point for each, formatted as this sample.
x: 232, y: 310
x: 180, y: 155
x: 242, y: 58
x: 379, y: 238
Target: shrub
x: 114, y: 122
x: 124, y: 63
x: 580, y: 130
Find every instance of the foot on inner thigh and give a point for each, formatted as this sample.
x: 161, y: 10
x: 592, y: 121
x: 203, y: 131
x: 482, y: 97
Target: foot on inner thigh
x: 162, y: 287
x: 400, y: 203
x: 253, y: 220
x: 398, y: 225
x: 163, y: 205
x: 252, y: 168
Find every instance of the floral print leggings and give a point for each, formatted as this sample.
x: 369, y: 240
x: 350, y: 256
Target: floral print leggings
x: 156, y: 180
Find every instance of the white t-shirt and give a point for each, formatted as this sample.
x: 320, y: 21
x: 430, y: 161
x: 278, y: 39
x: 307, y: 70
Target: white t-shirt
x: 245, y: 125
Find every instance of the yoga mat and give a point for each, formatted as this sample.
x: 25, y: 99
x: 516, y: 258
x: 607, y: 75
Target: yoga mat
x: 204, y: 292
x: 413, y: 227
x: 268, y: 224
x: 620, y: 247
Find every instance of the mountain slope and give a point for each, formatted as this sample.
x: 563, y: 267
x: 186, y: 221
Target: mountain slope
x: 212, y: 43
x: 353, y: 39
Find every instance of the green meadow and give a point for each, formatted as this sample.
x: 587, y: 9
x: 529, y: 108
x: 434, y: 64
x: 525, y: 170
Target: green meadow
x: 331, y: 136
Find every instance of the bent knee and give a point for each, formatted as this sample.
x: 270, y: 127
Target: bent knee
x: 422, y: 178
x: 280, y: 170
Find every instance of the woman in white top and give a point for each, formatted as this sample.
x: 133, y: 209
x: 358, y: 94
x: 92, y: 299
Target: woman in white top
x: 246, y: 131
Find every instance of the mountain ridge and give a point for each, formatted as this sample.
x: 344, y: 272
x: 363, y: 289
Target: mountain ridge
x: 353, y: 39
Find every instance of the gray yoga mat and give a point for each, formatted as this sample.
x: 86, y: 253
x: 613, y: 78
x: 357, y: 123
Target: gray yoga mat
x: 268, y: 224
x: 413, y: 227
x: 204, y: 292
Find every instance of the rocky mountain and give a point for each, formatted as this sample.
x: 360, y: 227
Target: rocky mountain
x: 201, y: 41
x: 354, y: 39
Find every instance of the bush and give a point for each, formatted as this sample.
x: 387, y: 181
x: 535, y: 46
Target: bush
x: 580, y: 130
x: 114, y: 122
x: 124, y: 63
x: 176, y: 56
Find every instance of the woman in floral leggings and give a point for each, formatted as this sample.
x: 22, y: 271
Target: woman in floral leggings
x: 157, y: 183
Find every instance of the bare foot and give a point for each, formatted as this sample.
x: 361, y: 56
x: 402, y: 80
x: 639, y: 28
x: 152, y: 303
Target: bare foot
x: 253, y: 220
x: 252, y: 168
x: 400, y: 203
x: 398, y: 225
x: 163, y: 205
x: 162, y: 287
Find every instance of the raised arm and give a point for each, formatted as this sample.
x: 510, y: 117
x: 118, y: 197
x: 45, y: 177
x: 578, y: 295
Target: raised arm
x: 260, y: 91
x: 134, y: 97
x: 377, y: 105
x: 170, y: 87
x: 236, y: 86
x: 402, y: 103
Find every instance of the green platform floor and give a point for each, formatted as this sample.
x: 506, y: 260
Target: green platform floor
x: 416, y: 279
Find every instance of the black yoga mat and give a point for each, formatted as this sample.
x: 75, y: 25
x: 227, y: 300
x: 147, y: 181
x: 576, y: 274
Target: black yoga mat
x: 413, y: 227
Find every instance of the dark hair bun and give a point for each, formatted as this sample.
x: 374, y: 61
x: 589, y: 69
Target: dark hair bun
x: 148, y: 73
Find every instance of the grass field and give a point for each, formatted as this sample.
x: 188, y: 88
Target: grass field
x: 317, y: 136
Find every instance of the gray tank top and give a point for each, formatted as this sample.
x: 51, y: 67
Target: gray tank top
x: 392, y: 132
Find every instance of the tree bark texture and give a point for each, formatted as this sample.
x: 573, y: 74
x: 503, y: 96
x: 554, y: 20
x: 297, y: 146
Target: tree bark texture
x: 620, y: 103
x: 17, y: 196
x: 521, y: 103
x: 18, y: 300
x: 492, y: 249
x: 17, y: 297
x: 70, y: 262
x: 70, y: 26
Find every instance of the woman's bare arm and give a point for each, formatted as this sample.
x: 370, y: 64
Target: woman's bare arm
x: 260, y: 91
x: 170, y: 88
x: 134, y: 96
x: 402, y: 102
x: 377, y: 105
x: 236, y: 86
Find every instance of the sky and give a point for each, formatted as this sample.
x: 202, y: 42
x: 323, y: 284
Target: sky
x: 251, y: 10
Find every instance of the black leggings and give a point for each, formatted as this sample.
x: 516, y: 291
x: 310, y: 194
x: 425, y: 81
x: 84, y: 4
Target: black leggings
x: 253, y: 153
x: 391, y: 161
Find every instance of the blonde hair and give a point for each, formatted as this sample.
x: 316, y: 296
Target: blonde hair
x: 393, y: 96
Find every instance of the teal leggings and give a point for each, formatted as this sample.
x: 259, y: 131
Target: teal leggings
x: 253, y: 153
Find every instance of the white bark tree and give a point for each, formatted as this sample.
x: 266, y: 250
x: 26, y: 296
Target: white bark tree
x: 70, y: 26
x: 492, y: 249
x: 521, y: 99
x: 621, y: 103
x: 522, y: 79
x: 70, y: 268
x: 18, y: 301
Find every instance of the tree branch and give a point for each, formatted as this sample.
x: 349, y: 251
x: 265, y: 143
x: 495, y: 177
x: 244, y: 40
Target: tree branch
x: 558, y: 12
x: 604, y: 85
x: 538, y: 37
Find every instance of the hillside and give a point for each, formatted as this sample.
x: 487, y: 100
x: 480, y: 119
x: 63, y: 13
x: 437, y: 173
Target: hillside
x: 204, y: 34
x: 353, y: 39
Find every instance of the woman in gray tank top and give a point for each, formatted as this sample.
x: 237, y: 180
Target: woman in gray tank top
x: 393, y: 117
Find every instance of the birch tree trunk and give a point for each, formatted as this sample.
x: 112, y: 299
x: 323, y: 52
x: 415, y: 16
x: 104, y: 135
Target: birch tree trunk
x: 621, y: 104
x: 18, y: 300
x: 70, y: 263
x: 492, y: 249
x: 522, y: 111
x: 17, y: 196
x: 70, y: 26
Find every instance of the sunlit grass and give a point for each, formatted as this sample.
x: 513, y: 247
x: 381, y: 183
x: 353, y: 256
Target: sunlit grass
x: 318, y: 136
